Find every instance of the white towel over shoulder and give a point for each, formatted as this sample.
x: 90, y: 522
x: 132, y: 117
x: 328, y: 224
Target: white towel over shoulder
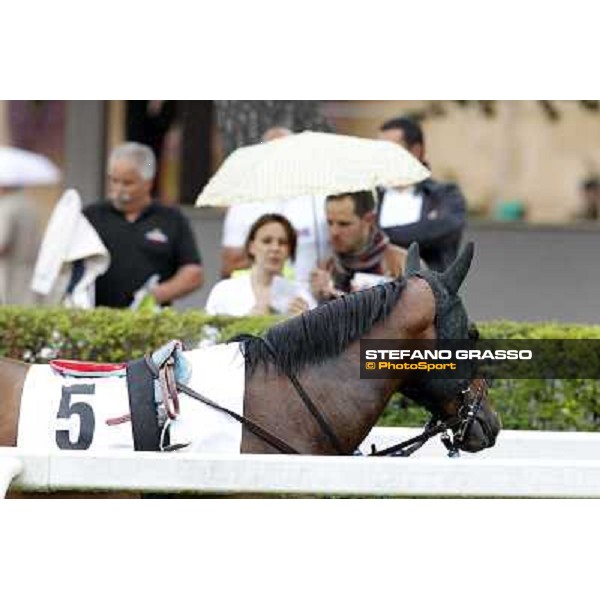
x: 69, y: 237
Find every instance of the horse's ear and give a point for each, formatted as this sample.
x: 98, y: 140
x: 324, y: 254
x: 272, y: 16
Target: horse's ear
x: 413, y: 260
x: 454, y: 275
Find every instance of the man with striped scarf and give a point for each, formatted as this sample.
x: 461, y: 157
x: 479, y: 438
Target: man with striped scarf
x: 362, y: 254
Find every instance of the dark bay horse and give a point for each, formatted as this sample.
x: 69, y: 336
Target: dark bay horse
x: 321, y: 349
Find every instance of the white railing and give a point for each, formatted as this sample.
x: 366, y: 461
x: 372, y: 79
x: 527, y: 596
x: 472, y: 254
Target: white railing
x: 523, y: 464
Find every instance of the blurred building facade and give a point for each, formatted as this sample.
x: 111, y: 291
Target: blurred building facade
x: 532, y: 152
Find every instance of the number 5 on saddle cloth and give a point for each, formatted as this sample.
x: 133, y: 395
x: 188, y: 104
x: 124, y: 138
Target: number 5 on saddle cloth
x: 154, y: 376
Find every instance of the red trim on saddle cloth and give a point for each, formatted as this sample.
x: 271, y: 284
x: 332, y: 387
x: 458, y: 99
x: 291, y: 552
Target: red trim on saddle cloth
x: 80, y: 368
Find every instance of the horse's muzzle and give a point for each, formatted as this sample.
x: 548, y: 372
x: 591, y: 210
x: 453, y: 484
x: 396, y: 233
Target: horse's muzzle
x: 482, y: 432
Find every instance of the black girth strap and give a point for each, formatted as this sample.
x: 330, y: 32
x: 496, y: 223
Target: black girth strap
x: 144, y: 422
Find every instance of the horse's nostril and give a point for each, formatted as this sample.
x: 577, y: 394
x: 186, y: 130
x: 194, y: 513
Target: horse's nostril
x: 478, y: 437
x: 490, y: 430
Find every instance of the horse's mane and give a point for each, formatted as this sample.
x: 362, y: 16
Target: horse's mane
x: 323, y: 332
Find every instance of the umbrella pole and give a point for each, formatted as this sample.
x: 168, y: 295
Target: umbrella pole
x: 317, y: 236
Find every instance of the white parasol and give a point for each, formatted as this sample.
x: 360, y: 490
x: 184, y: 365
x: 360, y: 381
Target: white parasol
x: 19, y: 168
x: 310, y: 164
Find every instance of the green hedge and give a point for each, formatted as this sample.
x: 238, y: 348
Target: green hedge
x: 35, y: 335
x: 110, y: 335
x: 554, y: 404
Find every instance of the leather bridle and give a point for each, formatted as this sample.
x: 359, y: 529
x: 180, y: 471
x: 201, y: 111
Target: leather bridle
x: 453, y: 429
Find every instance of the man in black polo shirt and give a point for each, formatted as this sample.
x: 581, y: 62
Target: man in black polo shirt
x: 143, y: 237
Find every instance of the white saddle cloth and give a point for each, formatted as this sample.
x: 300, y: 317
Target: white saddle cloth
x: 51, y: 403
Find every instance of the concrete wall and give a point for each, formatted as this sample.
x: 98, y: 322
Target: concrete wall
x: 534, y: 273
x: 522, y: 273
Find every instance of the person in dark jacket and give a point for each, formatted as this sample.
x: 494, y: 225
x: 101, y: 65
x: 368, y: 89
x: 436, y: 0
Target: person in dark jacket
x: 432, y: 213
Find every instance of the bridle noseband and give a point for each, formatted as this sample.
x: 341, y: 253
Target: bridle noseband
x: 467, y: 413
x: 453, y: 429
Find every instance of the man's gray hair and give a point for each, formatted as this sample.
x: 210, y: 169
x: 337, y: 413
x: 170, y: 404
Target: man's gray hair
x: 140, y: 155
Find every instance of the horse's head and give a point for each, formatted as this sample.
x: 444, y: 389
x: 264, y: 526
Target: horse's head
x: 447, y: 398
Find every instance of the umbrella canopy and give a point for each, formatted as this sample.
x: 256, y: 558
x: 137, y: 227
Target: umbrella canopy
x: 20, y: 168
x: 310, y: 164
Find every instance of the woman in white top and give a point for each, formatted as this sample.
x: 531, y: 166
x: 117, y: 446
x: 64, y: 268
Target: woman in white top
x: 270, y: 242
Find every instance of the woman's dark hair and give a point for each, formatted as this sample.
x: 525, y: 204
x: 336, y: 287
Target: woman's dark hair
x: 273, y: 218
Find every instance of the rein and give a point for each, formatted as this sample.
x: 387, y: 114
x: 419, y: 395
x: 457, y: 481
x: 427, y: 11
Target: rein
x: 462, y: 420
x: 310, y: 405
x: 170, y: 386
x: 255, y: 428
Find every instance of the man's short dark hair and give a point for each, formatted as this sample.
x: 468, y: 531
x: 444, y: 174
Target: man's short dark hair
x: 413, y: 134
x: 363, y: 201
